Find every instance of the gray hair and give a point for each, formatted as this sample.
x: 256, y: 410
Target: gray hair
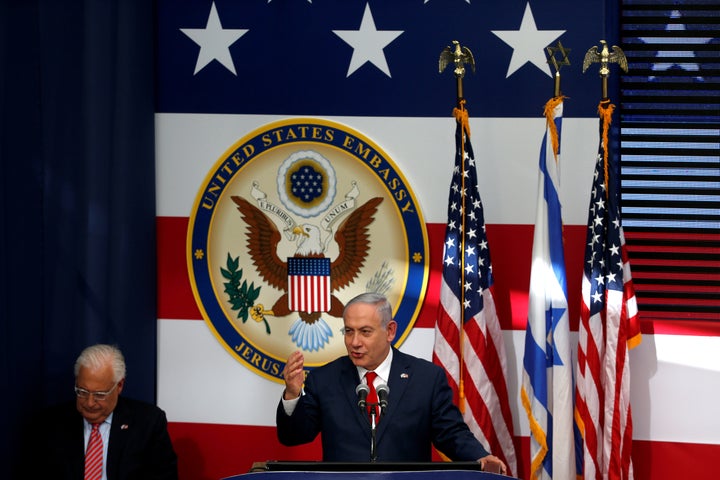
x: 382, y: 305
x: 97, y: 356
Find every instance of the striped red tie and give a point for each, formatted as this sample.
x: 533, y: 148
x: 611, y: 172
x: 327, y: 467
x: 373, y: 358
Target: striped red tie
x: 372, y: 398
x: 94, y: 455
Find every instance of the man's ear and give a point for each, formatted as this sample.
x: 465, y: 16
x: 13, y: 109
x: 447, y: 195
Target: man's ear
x: 392, y: 330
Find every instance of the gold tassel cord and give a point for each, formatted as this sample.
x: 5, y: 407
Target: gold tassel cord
x: 549, y: 109
x: 605, y: 109
x: 554, y: 136
x: 463, y: 119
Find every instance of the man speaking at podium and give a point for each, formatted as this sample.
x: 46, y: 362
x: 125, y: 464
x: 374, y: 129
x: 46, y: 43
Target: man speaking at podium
x: 415, y: 403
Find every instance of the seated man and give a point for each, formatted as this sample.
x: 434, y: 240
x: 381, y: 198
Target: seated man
x: 103, y: 435
x: 420, y: 411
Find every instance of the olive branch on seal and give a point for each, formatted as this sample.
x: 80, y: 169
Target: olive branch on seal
x: 241, y: 296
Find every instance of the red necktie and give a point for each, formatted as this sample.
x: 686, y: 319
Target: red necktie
x: 372, y: 398
x: 94, y: 455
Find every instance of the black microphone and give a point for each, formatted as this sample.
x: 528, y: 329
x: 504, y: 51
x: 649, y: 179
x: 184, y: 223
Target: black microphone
x: 362, y: 391
x: 382, y: 392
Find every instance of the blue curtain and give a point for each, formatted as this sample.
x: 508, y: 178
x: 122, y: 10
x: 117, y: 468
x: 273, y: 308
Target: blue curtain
x: 77, y: 198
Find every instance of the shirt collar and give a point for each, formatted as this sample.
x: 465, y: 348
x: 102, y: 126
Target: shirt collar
x: 108, y: 421
x: 383, y: 370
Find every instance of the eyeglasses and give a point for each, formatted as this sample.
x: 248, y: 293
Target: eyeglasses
x: 99, y: 396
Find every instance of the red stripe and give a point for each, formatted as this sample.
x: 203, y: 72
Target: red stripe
x: 669, y: 263
x: 175, y: 297
x: 449, y: 331
x: 698, y: 302
x: 324, y: 293
x: 218, y: 451
x: 453, y: 384
x: 620, y: 457
x: 593, y: 357
x: 486, y: 351
x: 670, y: 276
x: 94, y: 455
x: 674, y: 249
x: 672, y: 460
x: 674, y: 237
x: 674, y: 287
x: 589, y: 377
x: 472, y: 395
x: 294, y: 298
x: 627, y: 444
x: 511, y: 247
x: 483, y: 348
x: 682, y: 323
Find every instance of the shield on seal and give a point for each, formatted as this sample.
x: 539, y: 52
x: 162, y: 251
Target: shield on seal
x: 308, y: 284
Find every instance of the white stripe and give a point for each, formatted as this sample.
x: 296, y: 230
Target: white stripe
x: 314, y: 298
x: 302, y: 300
x: 608, y: 369
x: 445, y: 352
x: 490, y: 398
x: 188, y: 145
x: 673, y: 388
x: 292, y: 288
x: 326, y: 293
x: 198, y: 381
x: 495, y: 336
x: 446, y: 355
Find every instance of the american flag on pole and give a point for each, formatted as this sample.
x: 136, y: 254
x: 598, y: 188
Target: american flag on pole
x: 468, y: 340
x: 547, y: 384
x: 608, y: 328
x: 308, y: 284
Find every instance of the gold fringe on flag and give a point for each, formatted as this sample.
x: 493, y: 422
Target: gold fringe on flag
x: 539, y: 436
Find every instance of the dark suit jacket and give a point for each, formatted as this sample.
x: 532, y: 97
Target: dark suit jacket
x: 139, y: 448
x: 420, y: 412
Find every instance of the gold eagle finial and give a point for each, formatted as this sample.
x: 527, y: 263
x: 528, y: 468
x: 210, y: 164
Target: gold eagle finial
x: 605, y: 57
x: 457, y: 55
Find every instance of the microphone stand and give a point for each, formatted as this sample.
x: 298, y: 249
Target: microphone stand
x: 373, y: 429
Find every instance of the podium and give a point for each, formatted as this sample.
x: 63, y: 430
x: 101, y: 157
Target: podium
x: 277, y: 470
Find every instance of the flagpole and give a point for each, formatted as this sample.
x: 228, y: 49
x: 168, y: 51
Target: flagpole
x: 616, y: 311
x: 558, y: 64
x: 605, y: 57
x: 545, y: 388
x: 459, y: 55
x: 469, y: 342
x: 557, y: 92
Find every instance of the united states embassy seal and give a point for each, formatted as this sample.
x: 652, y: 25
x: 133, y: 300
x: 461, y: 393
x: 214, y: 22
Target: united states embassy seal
x: 294, y: 220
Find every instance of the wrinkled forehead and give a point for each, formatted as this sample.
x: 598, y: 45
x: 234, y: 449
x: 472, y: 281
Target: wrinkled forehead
x: 96, y: 375
x: 362, y: 315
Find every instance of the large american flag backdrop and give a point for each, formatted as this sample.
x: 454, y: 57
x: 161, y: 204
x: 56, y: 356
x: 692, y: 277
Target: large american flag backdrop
x: 226, y: 68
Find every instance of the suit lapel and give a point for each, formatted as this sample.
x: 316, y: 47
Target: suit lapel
x: 349, y: 378
x: 400, y: 374
x: 77, y: 442
x: 119, y: 429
